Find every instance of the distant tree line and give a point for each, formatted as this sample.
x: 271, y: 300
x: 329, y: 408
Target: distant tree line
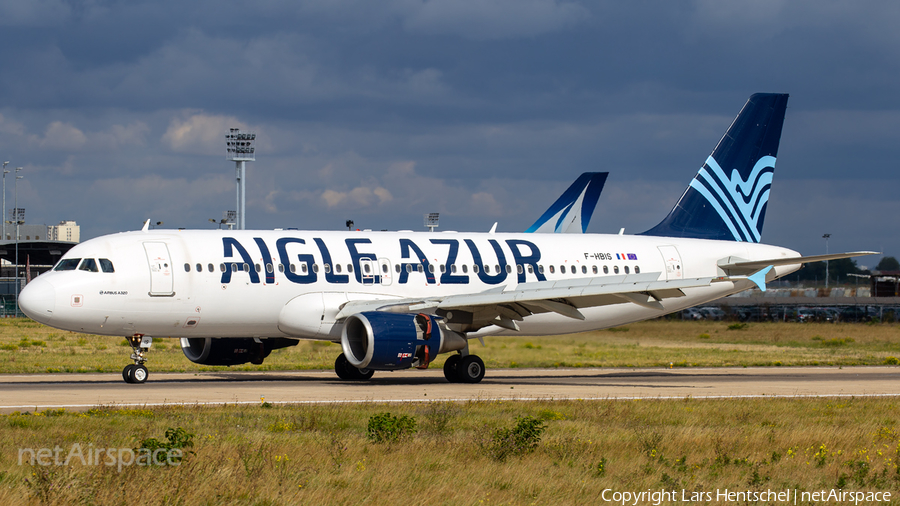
x: 888, y: 264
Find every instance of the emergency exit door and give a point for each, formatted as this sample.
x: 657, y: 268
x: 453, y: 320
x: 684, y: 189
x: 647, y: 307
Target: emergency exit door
x: 673, y: 262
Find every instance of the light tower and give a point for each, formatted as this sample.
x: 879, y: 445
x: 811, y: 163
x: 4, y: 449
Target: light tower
x: 239, y: 149
x: 431, y: 221
x: 5, y: 172
x: 20, y: 219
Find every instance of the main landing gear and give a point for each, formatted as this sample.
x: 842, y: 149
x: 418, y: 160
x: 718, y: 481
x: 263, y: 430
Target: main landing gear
x: 346, y: 371
x: 464, y: 369
x: 457, y: 369
x: 137, y: 372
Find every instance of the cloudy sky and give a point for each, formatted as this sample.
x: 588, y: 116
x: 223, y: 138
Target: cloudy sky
x: 482, y: 110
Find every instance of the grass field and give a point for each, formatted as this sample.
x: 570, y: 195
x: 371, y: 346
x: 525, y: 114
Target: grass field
x: 461, y: 453
x: 547, y: 452
x: 29, y: 347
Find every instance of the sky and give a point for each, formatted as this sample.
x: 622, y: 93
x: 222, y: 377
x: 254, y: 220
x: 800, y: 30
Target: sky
x: 481, y: 110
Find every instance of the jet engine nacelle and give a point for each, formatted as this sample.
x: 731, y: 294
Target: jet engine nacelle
x: 390, y: 341
x: 218, y: 351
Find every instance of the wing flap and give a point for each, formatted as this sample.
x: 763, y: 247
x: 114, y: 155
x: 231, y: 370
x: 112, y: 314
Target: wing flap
x: 577, y: 293
x: 526, y: 294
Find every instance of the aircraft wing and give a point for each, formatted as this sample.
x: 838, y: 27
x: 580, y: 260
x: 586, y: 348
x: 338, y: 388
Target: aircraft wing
x: 503, y: 307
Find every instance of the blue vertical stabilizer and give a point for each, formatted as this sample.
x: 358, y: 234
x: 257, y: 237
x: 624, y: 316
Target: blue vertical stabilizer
x: 727, y: 199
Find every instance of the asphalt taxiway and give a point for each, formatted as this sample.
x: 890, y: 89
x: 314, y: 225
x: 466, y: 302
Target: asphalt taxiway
x: 29, y: 392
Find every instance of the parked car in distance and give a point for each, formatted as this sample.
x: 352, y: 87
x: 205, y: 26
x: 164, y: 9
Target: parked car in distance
x: 691, y: 313
x: 806, y: 314
x: 826, y: 314
x: 712, y: 313
x: 854, y: 314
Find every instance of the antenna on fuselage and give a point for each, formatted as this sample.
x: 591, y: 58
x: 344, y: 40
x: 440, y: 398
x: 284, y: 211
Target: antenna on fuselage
x: 146, y: 226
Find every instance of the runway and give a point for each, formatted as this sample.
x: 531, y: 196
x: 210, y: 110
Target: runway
x: 83, y: 391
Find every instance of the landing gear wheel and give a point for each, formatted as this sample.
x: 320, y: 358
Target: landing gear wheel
x: 470, y: 369
x: 139, y: 374
x: 451, y: 368
x: 345, y: 370
x: 342, y: 368
x: 128, y: 373
x: 136, y: 372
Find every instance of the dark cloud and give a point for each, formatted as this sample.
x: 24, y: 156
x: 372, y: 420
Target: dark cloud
x: 481, y: 110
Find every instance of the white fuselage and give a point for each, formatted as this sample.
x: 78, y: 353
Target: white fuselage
x: 219, y: 283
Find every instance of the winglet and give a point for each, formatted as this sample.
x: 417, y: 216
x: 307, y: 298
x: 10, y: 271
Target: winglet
x: 759, y: 277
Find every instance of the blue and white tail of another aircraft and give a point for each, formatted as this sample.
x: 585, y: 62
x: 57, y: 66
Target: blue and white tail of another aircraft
x: 727, y: 199
x: 572, y: 211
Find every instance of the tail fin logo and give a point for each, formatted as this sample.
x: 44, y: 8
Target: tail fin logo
x: 738, y: 202
x: 572, y: 211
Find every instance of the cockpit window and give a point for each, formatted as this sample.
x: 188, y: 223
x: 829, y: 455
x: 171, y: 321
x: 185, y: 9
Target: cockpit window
x: 106, y: 265
x: 88, y: 264
x: 67, y: 264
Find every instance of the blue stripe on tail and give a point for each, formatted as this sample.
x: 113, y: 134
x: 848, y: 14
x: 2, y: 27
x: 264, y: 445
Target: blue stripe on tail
x: 727, y: 199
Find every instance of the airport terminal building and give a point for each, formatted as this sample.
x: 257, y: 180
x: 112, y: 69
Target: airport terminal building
x: 37, y: 250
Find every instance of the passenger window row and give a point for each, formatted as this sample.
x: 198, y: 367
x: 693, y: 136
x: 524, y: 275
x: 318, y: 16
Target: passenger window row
x: 366, y: 267
x: 105, y: 265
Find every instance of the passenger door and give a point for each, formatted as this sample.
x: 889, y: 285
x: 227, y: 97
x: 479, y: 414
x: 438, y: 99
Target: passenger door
x: 161, y: 282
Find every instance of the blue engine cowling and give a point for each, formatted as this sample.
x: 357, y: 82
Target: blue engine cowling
x: 390, y: 341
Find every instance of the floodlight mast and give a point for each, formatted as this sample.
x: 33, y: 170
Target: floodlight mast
x: 431, y: 221
x: 20, y: 219
x: 5, y: 172
x: 239, y: 149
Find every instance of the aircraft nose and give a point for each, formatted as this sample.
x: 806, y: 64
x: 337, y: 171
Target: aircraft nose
x: 38, y: 300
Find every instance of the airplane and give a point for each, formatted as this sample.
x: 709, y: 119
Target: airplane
x: 396, y: 300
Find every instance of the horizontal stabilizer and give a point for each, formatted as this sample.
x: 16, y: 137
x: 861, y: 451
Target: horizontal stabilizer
x: 572, y: 211
x: 759, y: 277
x: 751, y: 266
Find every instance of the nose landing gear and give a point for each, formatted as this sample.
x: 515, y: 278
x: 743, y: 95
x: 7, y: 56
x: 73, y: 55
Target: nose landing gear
x: 137, y: 372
